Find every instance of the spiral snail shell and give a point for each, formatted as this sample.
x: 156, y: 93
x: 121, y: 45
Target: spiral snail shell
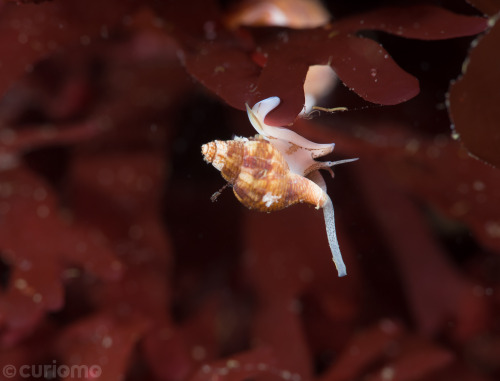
x: 260, y: 176
x: 276, y: 169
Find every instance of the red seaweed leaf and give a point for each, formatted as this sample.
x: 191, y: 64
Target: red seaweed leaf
x: 363, y: 350
x: 167, y: 352
x: 404, y: 357
x: 281, y: 273
x: 473, y: 99
x: 488, y: 7
x: 100, y: 347
x: 245, y: 365
x: 422, y: 22
x: 390, y: 207
x: 123, y: 184
x: 28, y: 1
x: 14, y: 143
x: 417, y: 253
x: 398, y: 168
x: 29, y: 33
x: 467, y: 189
x: 119, y: 193
x: 419, y: 359
x: 438, y: 172
x: 363, y: 65
x: 225, y: 69
x: 29, y: 222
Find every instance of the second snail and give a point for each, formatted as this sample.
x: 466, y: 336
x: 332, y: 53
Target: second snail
x: 276, y: 169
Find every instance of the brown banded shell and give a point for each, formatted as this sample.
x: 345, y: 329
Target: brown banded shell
x: 277, y: 169
x: 260, y: 176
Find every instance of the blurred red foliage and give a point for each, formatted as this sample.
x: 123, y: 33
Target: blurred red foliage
x: 475, y: 117
x: 112, y: 255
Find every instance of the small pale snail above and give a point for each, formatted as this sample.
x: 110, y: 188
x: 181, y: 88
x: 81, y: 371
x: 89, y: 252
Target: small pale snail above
x: 276, y: 169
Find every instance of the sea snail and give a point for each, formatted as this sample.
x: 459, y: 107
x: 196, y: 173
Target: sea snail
x: 276, y: 169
